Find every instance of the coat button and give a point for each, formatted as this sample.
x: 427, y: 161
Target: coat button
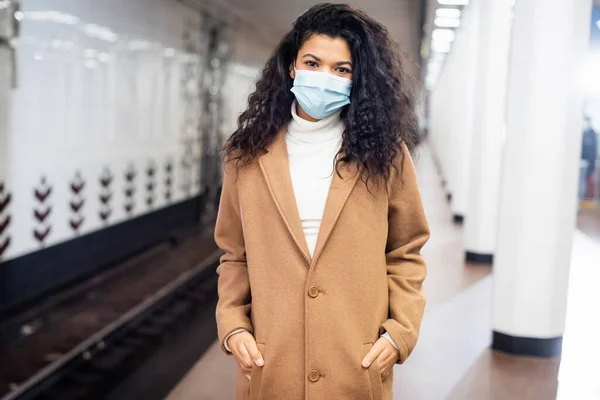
x: 314, y: 376
x: 313, y: 291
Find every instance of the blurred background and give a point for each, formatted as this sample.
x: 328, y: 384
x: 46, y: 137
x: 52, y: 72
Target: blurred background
x: 112, y: 115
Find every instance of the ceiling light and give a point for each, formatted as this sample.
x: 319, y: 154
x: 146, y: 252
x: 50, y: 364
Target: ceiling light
x: 437, y: 57
x: 443, y: 35
x: 454, y: 2
x: 447, y: 22
x: 440, y: 47
x: 598, y: 24
x: 51, y: 16
x: 100, y: 32
x: 447, y: 13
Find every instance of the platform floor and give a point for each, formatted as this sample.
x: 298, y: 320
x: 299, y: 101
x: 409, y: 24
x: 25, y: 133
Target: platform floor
x: 453, y: 359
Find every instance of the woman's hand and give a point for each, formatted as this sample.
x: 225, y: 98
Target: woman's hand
x: 243, y: 346
x: 383, y: 353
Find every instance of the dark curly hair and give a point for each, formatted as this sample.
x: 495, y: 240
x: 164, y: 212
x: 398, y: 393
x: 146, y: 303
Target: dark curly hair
x: 378, y: 120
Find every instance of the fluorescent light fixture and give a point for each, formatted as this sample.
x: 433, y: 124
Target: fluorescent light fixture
x: 440, y: 47
x: 51, y: 16
x: 447, y: 22
x: 437, y: 57
x: 453, y: 2
x: 434, y: 65
x: 598, y: 24
x: 447, y: 13
x: 443, y: 35
x: 100, y: 32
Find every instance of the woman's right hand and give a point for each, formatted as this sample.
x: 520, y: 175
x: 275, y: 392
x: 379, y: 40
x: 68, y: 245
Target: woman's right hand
x: 243, y: 346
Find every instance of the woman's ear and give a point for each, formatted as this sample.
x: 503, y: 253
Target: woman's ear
x: 293, y: 70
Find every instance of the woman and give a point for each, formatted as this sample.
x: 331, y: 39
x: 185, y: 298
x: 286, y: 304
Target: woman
x: 321, y: 221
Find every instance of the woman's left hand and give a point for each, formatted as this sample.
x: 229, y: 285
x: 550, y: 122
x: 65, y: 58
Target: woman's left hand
x: 383, y: 353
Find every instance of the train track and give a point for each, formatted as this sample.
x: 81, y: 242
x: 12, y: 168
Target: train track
x: 102, y: 333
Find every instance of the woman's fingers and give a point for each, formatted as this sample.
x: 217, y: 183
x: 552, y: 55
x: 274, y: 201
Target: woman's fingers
x: 243, y: 357
x: 387, y: 360
x: 253, y: 352
x: 244, y: 348
x: 384, y: 354
x: 372, y: 355
x: 247, y: 355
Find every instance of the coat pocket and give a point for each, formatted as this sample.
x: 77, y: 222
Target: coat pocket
x: 256, y: 374
x: 374, y: 375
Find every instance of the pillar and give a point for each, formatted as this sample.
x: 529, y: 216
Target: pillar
x: 462, y: 102
x: 538, y: 192
x: 488, y: 129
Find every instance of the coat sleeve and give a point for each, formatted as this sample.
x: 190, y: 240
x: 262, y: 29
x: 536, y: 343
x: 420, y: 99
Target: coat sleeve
x: 407, y: 233
x: 233, y: 307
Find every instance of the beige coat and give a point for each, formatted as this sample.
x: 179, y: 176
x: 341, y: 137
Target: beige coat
x: 315, y: 319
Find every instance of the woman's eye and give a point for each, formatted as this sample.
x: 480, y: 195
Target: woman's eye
x: 311, y: 63
x: 343, y: 70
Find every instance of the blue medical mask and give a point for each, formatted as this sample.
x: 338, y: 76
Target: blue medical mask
x: 321, y: 94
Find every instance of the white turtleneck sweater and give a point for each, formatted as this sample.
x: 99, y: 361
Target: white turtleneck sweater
x: 312, y: 147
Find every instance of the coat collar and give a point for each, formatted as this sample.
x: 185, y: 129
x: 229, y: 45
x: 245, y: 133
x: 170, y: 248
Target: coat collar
x: 275, y: 168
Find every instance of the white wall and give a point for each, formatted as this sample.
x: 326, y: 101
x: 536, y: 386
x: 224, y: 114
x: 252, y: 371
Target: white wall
x: 105, y: 88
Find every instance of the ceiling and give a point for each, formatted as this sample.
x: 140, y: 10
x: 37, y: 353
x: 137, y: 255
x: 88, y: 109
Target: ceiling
x: 261, y: 23
x: 271, y: 19
x: 400, y: 16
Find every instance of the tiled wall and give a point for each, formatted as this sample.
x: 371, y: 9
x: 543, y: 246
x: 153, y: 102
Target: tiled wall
x: 107, y: 121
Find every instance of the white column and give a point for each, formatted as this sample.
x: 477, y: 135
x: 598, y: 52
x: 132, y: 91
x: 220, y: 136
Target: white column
x: 488, y: 128
x: 538, y: 192
x: 441, y: 114
x: 462, y: 101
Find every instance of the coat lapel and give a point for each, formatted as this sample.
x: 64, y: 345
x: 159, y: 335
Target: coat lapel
x: 339, y: 191
x: 276, y: 169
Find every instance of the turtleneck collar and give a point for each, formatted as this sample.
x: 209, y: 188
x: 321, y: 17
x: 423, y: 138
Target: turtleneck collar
x: 330, y: 128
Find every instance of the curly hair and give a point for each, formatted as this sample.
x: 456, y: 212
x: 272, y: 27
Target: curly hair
x: 380, y: 117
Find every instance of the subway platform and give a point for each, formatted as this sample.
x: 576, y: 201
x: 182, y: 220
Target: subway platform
x: 453, y: 359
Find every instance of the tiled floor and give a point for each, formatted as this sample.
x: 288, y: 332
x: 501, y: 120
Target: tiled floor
x: 453, y: 359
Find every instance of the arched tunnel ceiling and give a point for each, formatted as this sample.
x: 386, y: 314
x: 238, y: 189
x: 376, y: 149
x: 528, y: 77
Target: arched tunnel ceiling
x: 270, y: 19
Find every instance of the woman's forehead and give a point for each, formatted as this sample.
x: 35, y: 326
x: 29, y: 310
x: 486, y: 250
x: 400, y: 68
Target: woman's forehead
x: 326, y: 48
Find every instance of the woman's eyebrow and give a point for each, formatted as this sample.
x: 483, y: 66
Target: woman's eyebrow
x: 318, y: 59
x: 311, y: 55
